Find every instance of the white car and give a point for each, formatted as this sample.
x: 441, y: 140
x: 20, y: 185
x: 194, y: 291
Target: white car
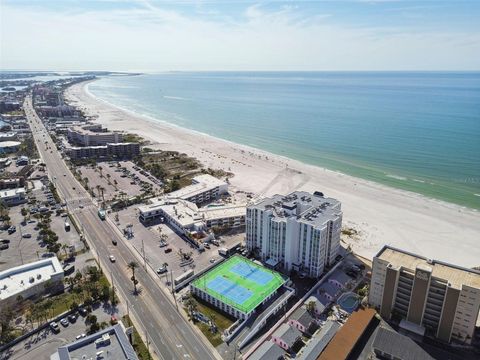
x: 112, y: 258
x: 80, y: 336
x: 212, y: 260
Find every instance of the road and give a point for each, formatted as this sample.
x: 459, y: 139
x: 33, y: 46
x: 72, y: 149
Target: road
x: 155, y: 316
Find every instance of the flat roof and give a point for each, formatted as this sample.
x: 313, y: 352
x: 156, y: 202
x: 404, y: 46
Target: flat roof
x: 17, y: 279
x: 455, y: 275
x: 220, y: 212
x: 9, y: 143
x: 241, y: 276
x: 115, y: 346
x: 313, y: 209
x: 200, y: 184
x: 12, y: 192
x: 347, y: 337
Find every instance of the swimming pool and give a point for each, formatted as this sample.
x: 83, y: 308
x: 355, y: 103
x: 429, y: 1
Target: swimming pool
x: 348, y: 302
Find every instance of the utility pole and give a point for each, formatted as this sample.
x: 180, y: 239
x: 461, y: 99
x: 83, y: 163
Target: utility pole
x: 144, y: 257
x: 113, y: 288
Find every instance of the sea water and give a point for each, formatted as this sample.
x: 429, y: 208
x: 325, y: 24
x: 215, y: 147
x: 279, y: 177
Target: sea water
x: 411, y: 130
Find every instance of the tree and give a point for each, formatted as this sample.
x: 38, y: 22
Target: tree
x: 311, y: 307
x: 132, y: 265
x: 100, y: 170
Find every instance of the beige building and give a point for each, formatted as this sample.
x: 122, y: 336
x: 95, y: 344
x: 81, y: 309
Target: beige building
x: 428, y: 296
x: 92, y: 135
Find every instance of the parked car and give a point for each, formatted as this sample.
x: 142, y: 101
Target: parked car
x: 12, y: 229
x: 168, y: 250
x: 72, y: 318
x: 5, y: 241
x: 162, y: 270
x: 27, y: 235
x: 54, y: 327
x: 80, y: 336
x: 4, y: 246
x: 83, y: 312
x: 112, y: 258
x: 114, y: 242
x: 64, y: 322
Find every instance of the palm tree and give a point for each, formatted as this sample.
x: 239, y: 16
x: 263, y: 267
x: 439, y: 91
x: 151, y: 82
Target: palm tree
x: 98, y: 189
x: 108, y: 178
x: 64, y: 248
x: 102, y: 190
x: 100, y: 169
x: 132, y: 265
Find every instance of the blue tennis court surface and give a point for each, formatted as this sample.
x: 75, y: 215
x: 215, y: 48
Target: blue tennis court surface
x: 251, y: 273
x: 229, y: 289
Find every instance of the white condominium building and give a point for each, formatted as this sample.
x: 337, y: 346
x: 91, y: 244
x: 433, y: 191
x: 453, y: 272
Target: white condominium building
x: 299, y: 231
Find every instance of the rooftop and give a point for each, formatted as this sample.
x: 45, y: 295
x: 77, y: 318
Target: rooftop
x: 347, y: 337
x: 240, y: 282
x: 219, y: 212
x: 307, y: 208
x: 200, y: 183
x: 15, y: 280
x: 288, y: 334
x: 9, y: 143
x: 302, y: 316
x: 11, y: 192
x: 319, y: 341
x: 267, y: 351
x: 110, y: 343
x: 398, y: 346
x: 456, y: 275
x: 339, y: 276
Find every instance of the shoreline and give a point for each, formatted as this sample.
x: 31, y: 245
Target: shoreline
x: 381, y: 214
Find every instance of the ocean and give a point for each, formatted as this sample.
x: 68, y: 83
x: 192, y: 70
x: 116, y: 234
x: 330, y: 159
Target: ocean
x: 417, y: 131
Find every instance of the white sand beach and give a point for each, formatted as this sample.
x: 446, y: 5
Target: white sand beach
x: 382, y: 215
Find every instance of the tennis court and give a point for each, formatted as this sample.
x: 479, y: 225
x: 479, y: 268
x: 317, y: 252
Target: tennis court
x: 240, y: 283
x: 230, y: 290
x: 252, y: 273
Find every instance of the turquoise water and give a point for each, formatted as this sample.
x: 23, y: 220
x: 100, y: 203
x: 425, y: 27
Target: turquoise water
x: 414, y: 131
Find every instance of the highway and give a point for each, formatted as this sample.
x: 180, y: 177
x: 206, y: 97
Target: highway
x: 154, y: 315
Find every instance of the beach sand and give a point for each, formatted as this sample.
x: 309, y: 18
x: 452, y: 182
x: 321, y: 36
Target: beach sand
x: 382, y: 215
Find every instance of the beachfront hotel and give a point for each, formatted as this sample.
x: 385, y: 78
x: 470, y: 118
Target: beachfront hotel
x: 92, y: 135
x: 299, y: 231
x: 427, y: 296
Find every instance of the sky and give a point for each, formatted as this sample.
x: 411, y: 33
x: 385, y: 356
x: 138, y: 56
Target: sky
x: 153, y: 36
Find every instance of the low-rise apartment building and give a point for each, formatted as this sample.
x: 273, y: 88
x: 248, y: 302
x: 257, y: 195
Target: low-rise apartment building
x: 13, y: 197
x: 204, y: 188
x: 92, y: 135
x: 427, y: 295
x: 185, y: 216
x: 114, y: 151
x: 30, y: 281
x: 299, y: 231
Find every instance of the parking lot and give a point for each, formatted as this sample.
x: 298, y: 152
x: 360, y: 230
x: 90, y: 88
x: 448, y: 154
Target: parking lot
x: 117, y: 178
x: 147, y: 240
x: 44, y: 343
x: 24, y: 245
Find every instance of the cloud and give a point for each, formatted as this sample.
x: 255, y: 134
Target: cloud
x: 145, y: 36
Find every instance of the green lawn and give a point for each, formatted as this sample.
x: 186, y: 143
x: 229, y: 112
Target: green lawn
x: 221, y: 320
x: 259, y: 291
